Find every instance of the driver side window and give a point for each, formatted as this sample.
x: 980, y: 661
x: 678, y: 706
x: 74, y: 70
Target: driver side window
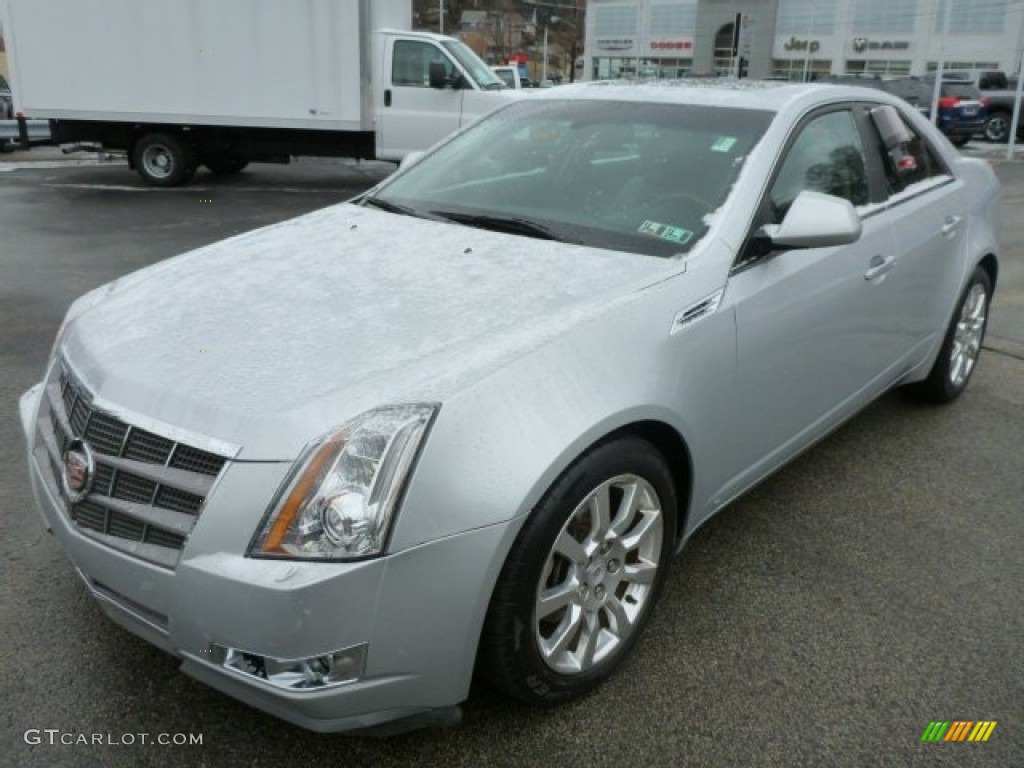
x: 410, y: 65
x: 827, y: 157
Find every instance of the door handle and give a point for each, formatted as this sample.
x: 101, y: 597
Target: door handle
x: 387, y: 97
x: 879, y: 266
x: 950, y: 226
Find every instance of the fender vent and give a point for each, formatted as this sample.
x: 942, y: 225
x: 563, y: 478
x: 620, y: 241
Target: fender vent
x: 703, y: 308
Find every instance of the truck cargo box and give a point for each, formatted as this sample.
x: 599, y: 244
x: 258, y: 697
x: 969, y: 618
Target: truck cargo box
x: 260, y: 63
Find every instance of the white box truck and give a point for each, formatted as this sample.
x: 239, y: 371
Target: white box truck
x: 222, y: 83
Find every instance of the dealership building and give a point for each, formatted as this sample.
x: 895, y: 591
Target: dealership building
x: 799, y: 38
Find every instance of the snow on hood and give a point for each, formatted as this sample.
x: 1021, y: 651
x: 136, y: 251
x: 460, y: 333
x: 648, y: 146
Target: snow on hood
x: 268, y: 339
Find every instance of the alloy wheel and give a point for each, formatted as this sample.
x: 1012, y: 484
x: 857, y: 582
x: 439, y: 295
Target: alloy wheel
x: 967, y: 337
x: 599, y: 575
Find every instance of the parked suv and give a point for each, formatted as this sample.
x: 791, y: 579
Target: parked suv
x: 999, y: 95
x: 962, y: 109
x: 984, y: 79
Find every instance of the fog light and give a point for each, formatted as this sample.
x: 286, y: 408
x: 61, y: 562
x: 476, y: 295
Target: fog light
x: 312, y: 673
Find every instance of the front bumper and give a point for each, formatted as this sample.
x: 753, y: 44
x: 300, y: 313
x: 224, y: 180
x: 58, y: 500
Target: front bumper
x: 418, y: 612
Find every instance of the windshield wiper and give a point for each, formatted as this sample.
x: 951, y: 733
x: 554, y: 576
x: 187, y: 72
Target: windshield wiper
x: 512, y: 226
x: 390, y: 207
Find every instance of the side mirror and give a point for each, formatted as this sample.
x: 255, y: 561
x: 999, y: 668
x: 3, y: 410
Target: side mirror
x: 438, y: 75
x: 816, y: 220
x: 410, y: 159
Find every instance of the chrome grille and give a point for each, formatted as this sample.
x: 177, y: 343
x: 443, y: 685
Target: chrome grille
x: 147, y: 490
x: 195, y: 460
x: 133, y: 488
x: 105, y: 433
x: 180, y: 501
x: 143, y: 446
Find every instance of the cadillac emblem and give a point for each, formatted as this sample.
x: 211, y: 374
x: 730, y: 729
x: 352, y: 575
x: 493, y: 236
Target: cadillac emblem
x: 79, y: 471
x: 860, y: 44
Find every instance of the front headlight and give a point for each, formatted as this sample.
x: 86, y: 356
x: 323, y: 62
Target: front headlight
x: 338, y: 502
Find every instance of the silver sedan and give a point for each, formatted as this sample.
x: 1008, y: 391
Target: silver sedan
x: 463, y: 423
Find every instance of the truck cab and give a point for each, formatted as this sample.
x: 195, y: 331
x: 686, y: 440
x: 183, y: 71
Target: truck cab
x: 432, y: 86
x: 510, y: 75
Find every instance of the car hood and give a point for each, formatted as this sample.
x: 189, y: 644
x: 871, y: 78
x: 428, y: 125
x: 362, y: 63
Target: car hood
x: 269, y: 339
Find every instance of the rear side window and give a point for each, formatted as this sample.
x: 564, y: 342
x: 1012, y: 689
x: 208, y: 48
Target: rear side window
x: 908, y: 159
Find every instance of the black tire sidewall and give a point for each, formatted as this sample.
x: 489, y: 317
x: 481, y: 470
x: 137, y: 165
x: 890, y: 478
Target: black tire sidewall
x: 1006, y: 131
x: 938, y: 387
x: 183, y: 158
x: 530, y: 677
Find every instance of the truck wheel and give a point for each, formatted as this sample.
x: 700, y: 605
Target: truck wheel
x: 163, y: 160
x: 997, y: 127
x: 225, y: 165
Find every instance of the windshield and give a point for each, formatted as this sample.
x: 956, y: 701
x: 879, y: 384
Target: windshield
x: 507, y: 76
x: 475, y: 68
x: 628, y: 176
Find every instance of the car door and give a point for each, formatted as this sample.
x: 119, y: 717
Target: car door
x: 413, y: 115
x: 925, y: 207
x: 812, y: 337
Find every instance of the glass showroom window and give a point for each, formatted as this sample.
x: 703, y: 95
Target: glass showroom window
x: 934, y: 65
x: 793, y: 69
x: 878, y: 67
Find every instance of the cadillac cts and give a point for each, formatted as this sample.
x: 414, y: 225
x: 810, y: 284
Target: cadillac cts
x: 463, y: 423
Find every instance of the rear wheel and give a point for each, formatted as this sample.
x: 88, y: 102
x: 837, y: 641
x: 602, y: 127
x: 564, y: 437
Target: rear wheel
x: 959, y: 141
x: 997, y: 127
x: 582, y: 577
x: 164, y: 160
x: 961, y: 345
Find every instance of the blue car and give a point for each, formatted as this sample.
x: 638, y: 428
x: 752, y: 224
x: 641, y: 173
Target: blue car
x: 962, y: 108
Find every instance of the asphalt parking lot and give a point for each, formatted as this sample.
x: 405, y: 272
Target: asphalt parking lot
x: 873, y: 586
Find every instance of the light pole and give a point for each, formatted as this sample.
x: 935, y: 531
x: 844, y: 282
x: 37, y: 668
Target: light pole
x: 937, y: 90
x: 544, y: 67
x: 810, y: 34
x: 440, y: 15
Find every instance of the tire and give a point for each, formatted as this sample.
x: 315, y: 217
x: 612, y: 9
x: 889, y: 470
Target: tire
x: 961, y: 345
x: 997, y: 127
x: 225, y: 165
x: 163, y: 160
x: 959, y: 141
x: 561, y: 549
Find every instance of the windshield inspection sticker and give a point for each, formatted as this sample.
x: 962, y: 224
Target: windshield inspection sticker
x: 723, y: 144
x: 666, y: 232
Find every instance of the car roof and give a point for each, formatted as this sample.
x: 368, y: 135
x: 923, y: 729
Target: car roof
x: 767, y: 95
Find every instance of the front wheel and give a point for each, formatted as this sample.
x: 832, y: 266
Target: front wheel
x: 582, y: 577
x: 164, y: 160
x: 961, y: 345
x: 959, y: 141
